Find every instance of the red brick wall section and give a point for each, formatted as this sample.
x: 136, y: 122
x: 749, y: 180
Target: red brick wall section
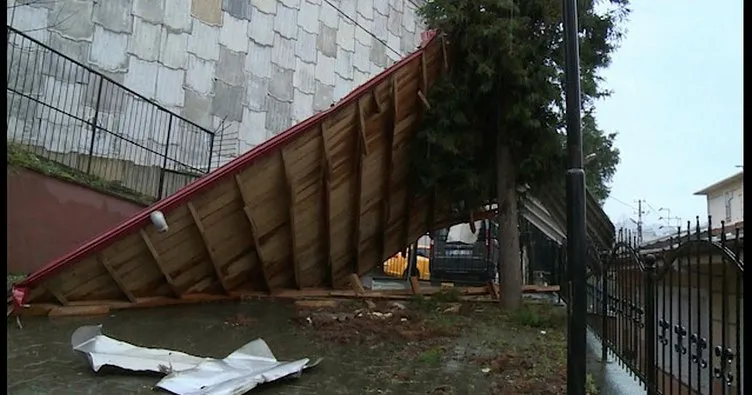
x: 48, y: 217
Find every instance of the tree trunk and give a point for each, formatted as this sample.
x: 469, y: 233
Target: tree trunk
x: 510, y: 266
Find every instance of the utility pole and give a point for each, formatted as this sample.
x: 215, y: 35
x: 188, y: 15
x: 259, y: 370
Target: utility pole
x: 639, y: 222
x: 576, y: 230
x: 640, y: 213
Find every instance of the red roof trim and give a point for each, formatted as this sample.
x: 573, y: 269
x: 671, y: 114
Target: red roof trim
x: 185, y: 193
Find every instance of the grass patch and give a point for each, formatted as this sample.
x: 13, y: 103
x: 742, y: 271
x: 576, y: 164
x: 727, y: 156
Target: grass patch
x: 539, y: 315
x: 435, y: 301
x: 423, y: 304
x: 19, y: 156
x: 590, y: 386
x: 431, y: 356
x: 448, y: 295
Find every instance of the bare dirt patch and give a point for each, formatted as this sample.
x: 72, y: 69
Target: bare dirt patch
x: 368, y: 322
x: 520, y: 352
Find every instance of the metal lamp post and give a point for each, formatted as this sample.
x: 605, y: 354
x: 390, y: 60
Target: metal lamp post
x: 576, y: 230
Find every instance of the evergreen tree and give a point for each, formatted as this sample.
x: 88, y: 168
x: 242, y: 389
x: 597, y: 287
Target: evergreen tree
x: 496, y: 121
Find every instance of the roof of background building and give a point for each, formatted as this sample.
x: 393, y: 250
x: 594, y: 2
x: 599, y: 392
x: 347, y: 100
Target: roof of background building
x: 736, y: 177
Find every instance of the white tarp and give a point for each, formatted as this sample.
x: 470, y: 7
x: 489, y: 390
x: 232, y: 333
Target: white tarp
x: 463, y: 233
x: 238, y: 373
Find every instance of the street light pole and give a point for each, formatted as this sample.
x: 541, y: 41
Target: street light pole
x: 576, y: 230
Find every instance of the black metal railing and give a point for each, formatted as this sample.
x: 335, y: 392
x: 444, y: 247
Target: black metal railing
x: 673, y: 315
x: 64, y: 111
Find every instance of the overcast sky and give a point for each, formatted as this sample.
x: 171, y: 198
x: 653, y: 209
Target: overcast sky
x: 677, y: 105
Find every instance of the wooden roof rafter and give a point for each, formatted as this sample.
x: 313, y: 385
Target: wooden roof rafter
x: 301, y: 210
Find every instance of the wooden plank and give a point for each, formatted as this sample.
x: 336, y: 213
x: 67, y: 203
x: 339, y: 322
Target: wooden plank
x: 444, y: 56
x: 77, y: 311
x: 356, y: 285
x: 254, y: 234
x: 414, y: 285
x: 357, y: 196
x: 325, y: 147
x: 493, y: 289
x: 362, y: 128
x: 423, y: 73
x: 423, y: 82
x: 158, y: 261
x: 317, y: 304
x: 207, y: 247
x: 389, y: 168
x: 317, y: 293
x: 290, y: 189
x: 116, y: 277
x: 424, y: 100
x: 376, y: 102
x: 96, y: 307
x: 55, y: 291
x: 326, y: 187
x: 430, y: 218
x: 407, y: 216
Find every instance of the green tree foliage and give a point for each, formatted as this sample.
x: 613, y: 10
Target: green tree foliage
x: 497, y: 116
x: 600, y: 168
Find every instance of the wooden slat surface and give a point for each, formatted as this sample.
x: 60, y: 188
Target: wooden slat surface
x: 332, y: 201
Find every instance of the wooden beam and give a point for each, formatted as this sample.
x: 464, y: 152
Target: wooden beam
x: 414, y: 285
x: 424, y: 100
x: 325, y: 148
x: 423, y: 82
x: 407, y: 216
x: 444, y: 56
x: 160, y: 263
x: 362, y: 129
x: 290, y: 189
x: 55, y: 291
x: 116, y: 277
x: 254, y: 233
x: 421, y: 95
x: 326, y: 188
x: 376, y: 102
x: 360, y: 152
x: 207, y: 247
x: 423, y: 73
x: 356, y: 285
x: 408, y: 195
x: 391, y: 132
x: 90, y: 307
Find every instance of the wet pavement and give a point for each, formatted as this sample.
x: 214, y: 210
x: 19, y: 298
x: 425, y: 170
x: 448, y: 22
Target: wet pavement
x: 41, y: 361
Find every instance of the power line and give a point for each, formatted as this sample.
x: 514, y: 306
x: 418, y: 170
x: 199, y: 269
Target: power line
x: 622, y: 202
x: 351, y: 19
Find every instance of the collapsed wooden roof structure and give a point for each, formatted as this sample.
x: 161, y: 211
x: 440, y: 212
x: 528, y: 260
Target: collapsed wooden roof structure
x: 325, y: 199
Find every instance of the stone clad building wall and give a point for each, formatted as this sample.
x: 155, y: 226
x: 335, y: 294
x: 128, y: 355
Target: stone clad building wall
x: 246, y: 68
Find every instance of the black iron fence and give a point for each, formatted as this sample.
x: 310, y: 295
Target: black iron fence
x: 673, y: 312
x: 64, y: 111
